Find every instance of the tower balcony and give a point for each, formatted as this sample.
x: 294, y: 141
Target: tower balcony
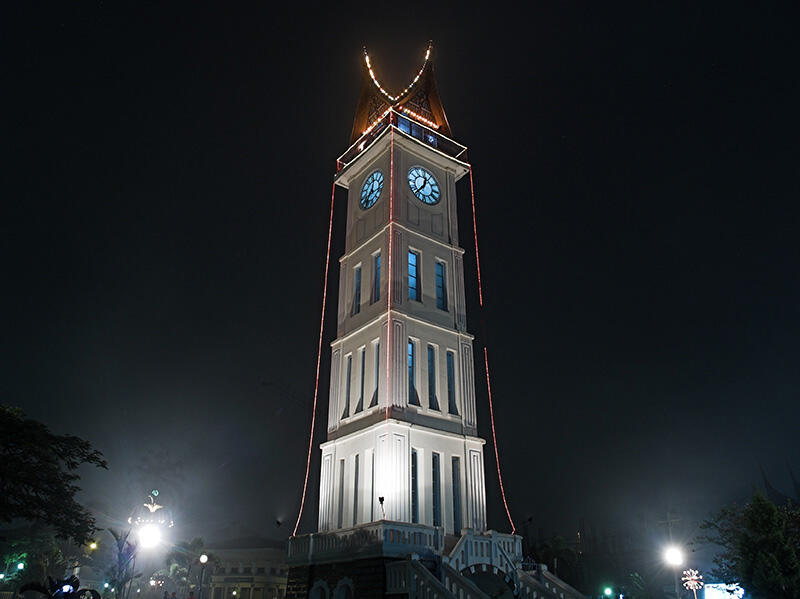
x: 374, y: 539
x: 408, y: 125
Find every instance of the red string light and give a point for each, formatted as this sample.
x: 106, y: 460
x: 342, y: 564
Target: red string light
x: 475, y: 234
x: 389, y: 273
x: 486, y: 355
x: 319, y: 358
x: 494, y: 438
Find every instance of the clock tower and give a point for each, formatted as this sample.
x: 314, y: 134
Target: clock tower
x: 402, y: 442
x: 402, y: 499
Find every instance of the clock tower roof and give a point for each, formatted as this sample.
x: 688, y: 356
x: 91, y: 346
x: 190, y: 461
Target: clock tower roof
x: 419, y: 100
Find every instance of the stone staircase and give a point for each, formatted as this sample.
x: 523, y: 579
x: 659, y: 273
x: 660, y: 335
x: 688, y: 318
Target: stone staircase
x: 475, y: 554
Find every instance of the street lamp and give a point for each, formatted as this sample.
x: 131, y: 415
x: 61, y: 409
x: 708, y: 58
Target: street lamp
x: 21, y: 566
x: 203, y: 562
x: 674, y: 558
x: 607, y: 591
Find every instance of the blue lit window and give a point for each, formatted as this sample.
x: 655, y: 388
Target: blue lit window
x: 357, y: 290
x: 413, y: 399
x: 413, y: 276
x: 414, y: 489
x: 404, y: 125
x: 441, y: 285
x: 433, y: 404
x: 376, y: 371
x: 349, y: 371
x: 456, y: 463
x: 416, y: 131
x: 431, y: 139
x: 360, y: 404
x: 451, y: 384
x: 437, y: 490
x: 376, y: 277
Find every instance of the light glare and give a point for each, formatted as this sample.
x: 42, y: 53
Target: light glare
x: 673, y: 556
x: 149, y: 536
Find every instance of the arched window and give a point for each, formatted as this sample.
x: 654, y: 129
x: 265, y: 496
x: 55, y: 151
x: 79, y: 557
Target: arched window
x: 344, y: 589
x: 319, y: 590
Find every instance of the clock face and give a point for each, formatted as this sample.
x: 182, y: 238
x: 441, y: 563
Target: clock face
x: 371, y: 190
x: 424, y: 185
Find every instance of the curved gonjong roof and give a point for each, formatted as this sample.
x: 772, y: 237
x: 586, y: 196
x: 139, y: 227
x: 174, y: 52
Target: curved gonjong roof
x: 419, y: 100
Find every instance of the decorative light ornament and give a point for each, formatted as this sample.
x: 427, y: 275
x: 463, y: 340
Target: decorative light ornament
x: 389, y: 96
x: 377, y: 121
x: 692, y: 581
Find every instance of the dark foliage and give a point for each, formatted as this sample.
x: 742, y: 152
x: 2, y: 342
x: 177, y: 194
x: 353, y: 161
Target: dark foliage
x: 760, y: 547
x: 38, y: 476
x: 67, y: 588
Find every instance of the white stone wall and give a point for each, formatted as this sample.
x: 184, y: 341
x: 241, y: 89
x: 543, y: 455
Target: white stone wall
x: 389, y: 444
x: 432, y: 232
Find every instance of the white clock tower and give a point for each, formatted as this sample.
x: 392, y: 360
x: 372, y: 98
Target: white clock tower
x: 402, y: 502
x: 401, y: 416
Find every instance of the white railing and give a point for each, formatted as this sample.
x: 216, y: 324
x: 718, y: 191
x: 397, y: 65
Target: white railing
x: 384, y: 538
x: 459, y: 586
x: 410, y: 577
x: 492, y: 548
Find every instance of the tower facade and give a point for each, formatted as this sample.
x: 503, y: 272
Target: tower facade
x: 402, y: 442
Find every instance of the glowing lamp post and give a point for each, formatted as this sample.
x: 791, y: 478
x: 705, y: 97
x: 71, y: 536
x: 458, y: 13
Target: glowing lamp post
x: 203, y: 561
x: 693, y: 581
x: 674, y: 558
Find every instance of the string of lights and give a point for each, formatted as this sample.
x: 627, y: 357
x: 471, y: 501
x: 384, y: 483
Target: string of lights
x: 408, y: 88
x: 418, y: 117
x: 319, y: 358
x: 486, y: 355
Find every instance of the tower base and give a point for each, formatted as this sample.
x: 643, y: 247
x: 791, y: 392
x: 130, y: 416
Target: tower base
x: 397, y: 559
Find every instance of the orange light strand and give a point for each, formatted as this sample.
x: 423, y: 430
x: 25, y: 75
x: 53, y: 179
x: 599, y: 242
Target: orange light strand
x: 319, y: 358
x: 486, y: 356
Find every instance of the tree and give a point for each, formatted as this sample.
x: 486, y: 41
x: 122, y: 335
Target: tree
x: 122, y: 571
x: 38, y: 476
x: 180, y: 561
x: 760, y: 547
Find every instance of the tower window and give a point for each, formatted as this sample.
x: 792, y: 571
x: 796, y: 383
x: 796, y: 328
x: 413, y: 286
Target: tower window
x: 376, y: 277
x: 340, y: 514
x: 413, y: 399
x: 433, y: 404
x: 376, y: 372
x: 436, y: 486
x: 348, y: 371
x: 404, y: 125
x: 413, y: 276
x: 357, y: 290
x: 457, y: 525
x: 355, y: 490
x: 360, y: 404
x: 414, y: 489
x: 451, y: 384
x: 441, y: 285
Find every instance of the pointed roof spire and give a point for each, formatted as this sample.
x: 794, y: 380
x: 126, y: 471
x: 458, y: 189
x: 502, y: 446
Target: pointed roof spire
x: 419, y: 100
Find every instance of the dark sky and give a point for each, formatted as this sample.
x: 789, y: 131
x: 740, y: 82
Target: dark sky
x: 165, y: 197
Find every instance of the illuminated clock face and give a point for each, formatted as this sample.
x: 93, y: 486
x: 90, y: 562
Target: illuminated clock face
x: 371, y: 190
x: 424, y: 185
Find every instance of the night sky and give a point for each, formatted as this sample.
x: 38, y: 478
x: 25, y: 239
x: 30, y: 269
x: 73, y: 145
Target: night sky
x: 165, y: 204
